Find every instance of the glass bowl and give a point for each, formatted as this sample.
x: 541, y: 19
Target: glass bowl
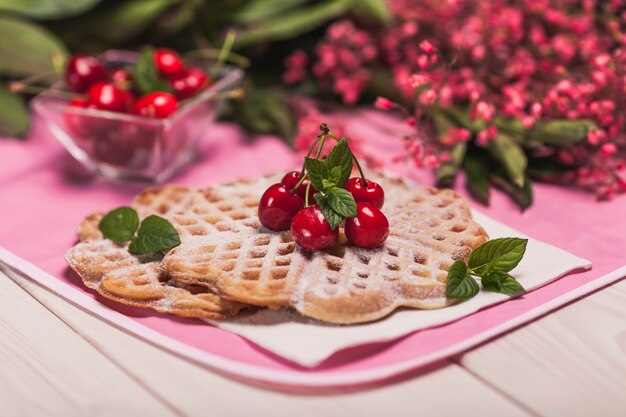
x: 129, y: 147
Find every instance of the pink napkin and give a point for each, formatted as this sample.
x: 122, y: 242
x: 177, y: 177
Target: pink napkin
x: 42, y: 201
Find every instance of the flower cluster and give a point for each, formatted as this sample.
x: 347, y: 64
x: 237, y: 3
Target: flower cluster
x: 503, y: 68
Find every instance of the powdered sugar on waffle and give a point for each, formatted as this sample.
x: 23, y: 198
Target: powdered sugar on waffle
x: 225, y: 248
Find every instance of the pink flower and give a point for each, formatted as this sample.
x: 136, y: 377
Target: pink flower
x: 608, y: 149
x: 427, y: 47
x: 484, y: 111
x: 382, y: 103
x: 417, y: 80
x: 428, y: 97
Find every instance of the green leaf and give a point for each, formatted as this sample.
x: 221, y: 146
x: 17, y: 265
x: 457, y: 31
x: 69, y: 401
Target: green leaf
x: 342, y: 202
x: 331, y: 216
x: 504, y: 149
x: 47, y: 9
x: 155, y: 234
x: 120, y: 224
x: 146, y: 75
x: 460, y: 285
x: 113, y: 21
x: 293, y: 23
x: 476, y: 178
x: 341, y: 156
x: 14, y: 115
x: 501, y: 254
x: 447, y: 171
x: 523, y: 197
x: 561, y: 132
x: 317, y: 171
x: 333, y: 178
x: 502, y: 282
x: 376, y: 9
x: 257, y: 10
x: 28, y: 49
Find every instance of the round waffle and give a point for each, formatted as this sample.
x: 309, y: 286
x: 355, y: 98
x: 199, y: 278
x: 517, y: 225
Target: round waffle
x: 227, y: 256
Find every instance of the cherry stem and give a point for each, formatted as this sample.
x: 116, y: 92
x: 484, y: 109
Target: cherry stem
x: 321, y: 141
x: 356, y: 161
x: 306, y: 195
x: 304, y: 176
x: 20, y: 87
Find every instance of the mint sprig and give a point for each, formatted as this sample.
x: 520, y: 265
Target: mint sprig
x: 153, y: 234
x: 146, y: 75
x: 328, y: 176
x: 120, y: 224
x: 491, y: 262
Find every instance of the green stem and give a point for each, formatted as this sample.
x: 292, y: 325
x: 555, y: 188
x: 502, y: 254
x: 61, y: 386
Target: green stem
x: 317, y: 156
x: 321, y: 146
x: 302, y: 175
x: 356, y: 161
x: 306, y: 195
x: 231, y: 35
x: 212, y: 53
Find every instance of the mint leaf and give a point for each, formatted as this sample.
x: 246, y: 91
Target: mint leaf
x: 460, y: 284
x: 342, y: 202
x: 497, y: 255
x: 146, y: 75
x: 120, y: 224
x: 341, y: 156
x: 333, y: 178
x: 317, y: 172
x: 502, y: 282
x: 155, y: 234
x: 331, y: 216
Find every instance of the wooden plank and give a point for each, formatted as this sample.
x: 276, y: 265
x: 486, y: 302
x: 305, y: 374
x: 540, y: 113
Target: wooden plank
x: 48, y: 369
x: 197, y: 392
x: 569, y: 363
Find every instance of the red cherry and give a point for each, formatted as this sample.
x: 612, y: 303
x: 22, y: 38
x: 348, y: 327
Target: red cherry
x: 114, y: 152
x: 168, y: 62
x: 106, y: 96
x: 121, y: 78
x: 76, y: 124
x: 374, y: 193
x: 189, y: 83
x: 370, y: 227
x: 278, y: 206
x: 159, y: 105
x: 291, y: 179
x: 311, y: 231
x: 82, y: 72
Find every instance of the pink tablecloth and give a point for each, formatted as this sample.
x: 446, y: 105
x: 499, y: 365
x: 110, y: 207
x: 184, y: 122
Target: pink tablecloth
x: 42, y: 200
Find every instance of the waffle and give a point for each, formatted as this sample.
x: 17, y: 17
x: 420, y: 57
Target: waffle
x: 113, y: 272
x: 226, y: 249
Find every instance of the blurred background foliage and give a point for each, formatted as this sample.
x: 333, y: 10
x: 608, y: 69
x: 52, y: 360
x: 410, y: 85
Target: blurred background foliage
x: 37, y: 36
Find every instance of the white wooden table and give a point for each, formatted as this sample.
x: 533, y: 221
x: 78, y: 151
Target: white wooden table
x: 56, y: 360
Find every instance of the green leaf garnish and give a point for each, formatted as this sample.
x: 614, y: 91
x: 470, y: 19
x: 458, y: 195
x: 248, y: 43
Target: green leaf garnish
x: 491, y: 262
x: 333, y: 178
x: 502, y: 255
x: 460, y: 284
x: 332, y: 217
x: 146, y: 75
x: 342, y: 202
x: 155, y: 234
x: 317, y: 171
x: 120, y: 224
x: 502, y: 282
x: 340, y: 157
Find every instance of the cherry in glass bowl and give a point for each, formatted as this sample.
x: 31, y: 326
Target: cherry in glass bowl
x: 129, y: 147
